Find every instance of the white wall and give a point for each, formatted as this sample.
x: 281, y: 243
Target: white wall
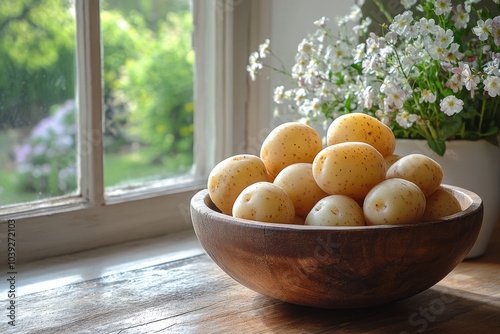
x: 292, y: 20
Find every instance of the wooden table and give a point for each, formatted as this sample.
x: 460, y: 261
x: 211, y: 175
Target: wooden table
x: 194, y: 296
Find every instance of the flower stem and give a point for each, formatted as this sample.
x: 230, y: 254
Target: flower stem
x: 481, y: 117
x: 381, y: 7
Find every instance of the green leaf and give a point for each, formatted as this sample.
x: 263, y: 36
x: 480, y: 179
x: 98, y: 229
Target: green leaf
x: 348, y: 102
x: 437, y: 145
x: 491, y: 132
x: 450, y: 126
x: 340, y: 78
x: 357, y: 67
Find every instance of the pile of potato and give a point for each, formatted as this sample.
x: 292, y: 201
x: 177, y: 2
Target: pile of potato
x: 355, y: 180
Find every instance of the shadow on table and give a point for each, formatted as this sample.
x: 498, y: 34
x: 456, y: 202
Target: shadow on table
x: 438, y: 309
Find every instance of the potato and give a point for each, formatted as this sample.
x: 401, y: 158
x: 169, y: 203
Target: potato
x: 362, y: 128
x: 266, y: 202
x: 298, y: 220
x: 391, y: 159
x: 230, y: 176
x: 289, y: 143
x: 394, y: 201
x: 336, y: 210
x: 441, y: 203
x: 350, y: 169
x: 419, y: 169
x: 298, y: 182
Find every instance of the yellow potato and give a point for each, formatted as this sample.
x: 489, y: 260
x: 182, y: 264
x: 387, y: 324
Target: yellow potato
x: 419, y: 169
x: 298, y: 220
x: 289, y: 143
x: 391, y: 159
x: 441, y: 203
x: 266, y: 202
x: 336, y: 210
x: 230, y: 176
x: 350, y: 169
x: 298, y: 182
x: 393, y: 202
x: 362, y: 128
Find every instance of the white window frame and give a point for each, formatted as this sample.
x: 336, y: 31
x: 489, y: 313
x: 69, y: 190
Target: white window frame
x: 226, y: 123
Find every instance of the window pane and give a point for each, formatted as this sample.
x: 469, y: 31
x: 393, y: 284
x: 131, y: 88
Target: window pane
x: 148, y: 90
x: 37, y: 100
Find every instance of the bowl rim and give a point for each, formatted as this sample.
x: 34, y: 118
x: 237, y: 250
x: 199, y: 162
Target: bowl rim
x: 201, y: 198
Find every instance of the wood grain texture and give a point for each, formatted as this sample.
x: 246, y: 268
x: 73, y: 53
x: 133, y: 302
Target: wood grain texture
x: 195, y: 296
x: 337, y: 267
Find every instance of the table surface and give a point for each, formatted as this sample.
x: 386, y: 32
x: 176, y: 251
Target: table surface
x: 193, y: 295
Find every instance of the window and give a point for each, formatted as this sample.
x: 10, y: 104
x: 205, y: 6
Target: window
x: 37, y: 103
x: 94, y: 215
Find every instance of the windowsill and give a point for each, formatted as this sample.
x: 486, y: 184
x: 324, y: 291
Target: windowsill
x: 75, y: 268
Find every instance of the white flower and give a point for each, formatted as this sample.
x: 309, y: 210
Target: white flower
x: 311, y: 75
x: 401, y: 24
x: 442, y: 7
x: 305, y: 120
x: 461, y: 17
x: 495, y: 30
x: 427, y: 96
x: 298, y: 71
x: 311, y: 108
x: 405, y: 119
x: 470, y: 80
x: 450, y: 105
x: 322, y: 22
x: 264, y: 49
x: 254, y: 64
x: 455, y: 83
x: 342, y: 21
x: 453, y: 53
x: 368, y: 97
x: 374, y: 44
x: 426, y: 26
x: 492, y: 85
x: 279, y: 94
x: 408, y: 3
x: 355, y: 14
x: 436, y: 51
x: 468, y: 4
x: 391, y: 37
x: 444, y: 38
x: 363, y: 27
x: 483, y: 29
x: 492, y: 67
x: 383, y: 117
x: 359, y: 53
x: 300, y: 95
x: 339, y: 50
x: 305, y: 47
x: 395, y: 95
x: 325, y: 93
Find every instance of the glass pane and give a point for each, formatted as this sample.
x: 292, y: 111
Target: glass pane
x: 37, y: 100
x: 148, y: 90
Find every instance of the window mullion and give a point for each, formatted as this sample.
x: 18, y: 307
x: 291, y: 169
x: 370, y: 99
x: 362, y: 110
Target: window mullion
x: 89, y: 85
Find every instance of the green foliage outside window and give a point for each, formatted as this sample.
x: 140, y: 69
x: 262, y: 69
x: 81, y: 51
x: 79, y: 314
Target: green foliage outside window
x: 148, y: 84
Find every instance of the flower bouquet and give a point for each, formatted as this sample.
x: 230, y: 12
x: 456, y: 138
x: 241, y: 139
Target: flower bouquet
x: 432, y: 72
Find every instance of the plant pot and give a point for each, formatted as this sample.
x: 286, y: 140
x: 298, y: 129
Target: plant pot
x: 473, y: 165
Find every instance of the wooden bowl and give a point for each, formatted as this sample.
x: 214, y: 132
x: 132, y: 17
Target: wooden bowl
x: 337, y: 267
